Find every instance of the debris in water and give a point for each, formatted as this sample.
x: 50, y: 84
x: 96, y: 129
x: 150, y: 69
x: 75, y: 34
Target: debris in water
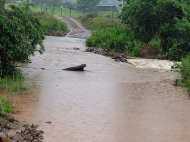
x: 76, y: 68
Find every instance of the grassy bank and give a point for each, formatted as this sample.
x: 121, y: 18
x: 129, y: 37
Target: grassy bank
x: 5, y: 106
x: 184, y: 67
x: 118, y: 38
x: 115, y: 38
x: 94, y: 22
x: 11, y: 86
x: 51, y: 26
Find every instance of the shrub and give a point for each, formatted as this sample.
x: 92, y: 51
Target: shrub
x: 115, y: 38
x: 166, y: 19
x: 20, y: 34
x: 185, y: 72
x: 51, y: 25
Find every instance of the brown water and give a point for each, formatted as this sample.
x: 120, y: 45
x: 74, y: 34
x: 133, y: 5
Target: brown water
x: 109, y: 102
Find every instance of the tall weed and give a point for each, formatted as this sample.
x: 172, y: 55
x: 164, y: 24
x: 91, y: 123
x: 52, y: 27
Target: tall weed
x: 115, y: 38
x: 185, y: 72
x: 13, y: 84
x: 5, y: 106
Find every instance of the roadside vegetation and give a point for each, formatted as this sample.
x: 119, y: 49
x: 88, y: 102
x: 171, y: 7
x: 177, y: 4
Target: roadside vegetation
x: 93, y: 21
x: 161, y: 27
x: 51, y: 25
x: 20, y: 33
x: 184, y: 68
x: 5, y: 107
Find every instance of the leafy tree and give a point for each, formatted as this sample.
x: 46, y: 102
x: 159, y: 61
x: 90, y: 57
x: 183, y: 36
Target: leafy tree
x: 54, y: 3
x: 20, y: 33
x: 87, y: 3
x: 2, y: 3
x: 164, y: 19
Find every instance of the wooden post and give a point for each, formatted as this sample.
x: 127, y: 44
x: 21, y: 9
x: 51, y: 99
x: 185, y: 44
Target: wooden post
x: 112, y: 12
x: 53, y: 10
x: 84, y: 11
x: 70, y: 11
x: 41, y: 8
x: 112, y: 15
x: 61, y: 11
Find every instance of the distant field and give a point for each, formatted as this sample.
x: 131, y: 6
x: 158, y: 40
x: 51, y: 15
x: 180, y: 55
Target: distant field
x: 66, y: 11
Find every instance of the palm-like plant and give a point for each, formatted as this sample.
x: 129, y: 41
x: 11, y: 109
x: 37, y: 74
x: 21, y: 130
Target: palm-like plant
x: 26, y: 5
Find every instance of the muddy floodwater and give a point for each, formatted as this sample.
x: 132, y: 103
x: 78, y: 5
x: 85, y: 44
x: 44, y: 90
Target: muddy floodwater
x: 108, y: 102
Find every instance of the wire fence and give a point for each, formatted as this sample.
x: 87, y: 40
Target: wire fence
x: 74, y: 12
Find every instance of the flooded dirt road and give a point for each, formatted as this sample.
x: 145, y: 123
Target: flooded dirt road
x: 109, y: 102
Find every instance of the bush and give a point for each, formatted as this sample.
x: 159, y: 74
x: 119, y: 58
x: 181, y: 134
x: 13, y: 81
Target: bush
x: 115, y: 38
x: 185, y: 72
x: 20, y: 34
x: 51, y: 25
x: 166, y: 19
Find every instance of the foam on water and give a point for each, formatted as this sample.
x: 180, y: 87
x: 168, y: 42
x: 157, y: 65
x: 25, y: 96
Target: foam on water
x: 151, y: 63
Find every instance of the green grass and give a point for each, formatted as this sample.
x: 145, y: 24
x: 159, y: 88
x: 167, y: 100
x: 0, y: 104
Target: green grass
x: 115, y: 38
x: 77, y: 13
x: 57, y: 11
x: 185, y: 72
x: 95, y: 22
x: 5, y: 106
x: 14, y: 85
x: 52, y: 26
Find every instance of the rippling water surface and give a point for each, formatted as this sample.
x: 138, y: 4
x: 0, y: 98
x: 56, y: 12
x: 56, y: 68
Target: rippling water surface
x: 108, y: 102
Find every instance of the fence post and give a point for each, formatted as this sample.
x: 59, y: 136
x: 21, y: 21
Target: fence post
x: 112, y: 13
x: 84, y: 11
x: 53, y: 10
x: 70, y: 11
x: 61, y: 11
x: 41, y: 8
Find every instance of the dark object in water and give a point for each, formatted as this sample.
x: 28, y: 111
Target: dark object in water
x: 76, y: 68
